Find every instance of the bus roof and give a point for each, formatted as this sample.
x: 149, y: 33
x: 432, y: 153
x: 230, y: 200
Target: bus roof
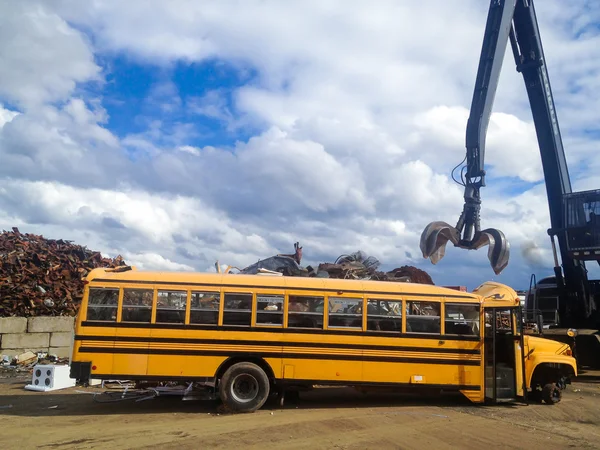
x: 104, y: 276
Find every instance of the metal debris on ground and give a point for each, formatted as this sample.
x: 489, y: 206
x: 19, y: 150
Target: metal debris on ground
x: 25, y: 362
x: 40, y: 276
x: 141, y: 391
x: 26, y: 358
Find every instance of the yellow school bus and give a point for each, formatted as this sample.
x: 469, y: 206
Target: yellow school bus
x: 249, y: 336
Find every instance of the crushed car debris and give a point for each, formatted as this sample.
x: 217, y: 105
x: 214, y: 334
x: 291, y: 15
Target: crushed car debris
x: 357, y: 265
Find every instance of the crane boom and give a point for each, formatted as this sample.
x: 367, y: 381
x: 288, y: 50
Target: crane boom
x: 499, y: 24
x: 511, y: 21
x: 515, y: 21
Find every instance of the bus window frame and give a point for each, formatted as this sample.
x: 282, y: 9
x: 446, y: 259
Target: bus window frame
x: 269, y: 292
x: 351, y: 296
x: 170, y: 290
x: 439, y: 301
x: 447, y: 303
x: 384, y: 298
x: 191, y: 292
x: 118, y: 306
x: 222, y: 310
x: 310, y: 294
x: 136, y: 288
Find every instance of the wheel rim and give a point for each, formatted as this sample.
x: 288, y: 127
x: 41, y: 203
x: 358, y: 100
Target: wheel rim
x: 244, y: 388
x: 555, y: 394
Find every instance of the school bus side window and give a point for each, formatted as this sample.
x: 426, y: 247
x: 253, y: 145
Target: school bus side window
x: 462, y: 319
x: 269, y: 309
x: 137, y: 305
x: 237, y: 309
x: 384, y: 315
x: 102, y: 304
x: 204, y: 308
x: 305, y: 311
x: 345, y: 312
x: 170, y: 306
x: 422, y: 317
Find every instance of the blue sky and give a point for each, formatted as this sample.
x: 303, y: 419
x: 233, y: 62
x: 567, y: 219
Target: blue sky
x: 135, y: 93
x: 182, y: 133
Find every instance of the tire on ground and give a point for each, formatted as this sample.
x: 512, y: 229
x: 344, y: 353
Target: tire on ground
x: 244, y: 387
x: 551, y: 394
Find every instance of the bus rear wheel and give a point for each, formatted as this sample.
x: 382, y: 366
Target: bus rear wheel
x: 244, y: 387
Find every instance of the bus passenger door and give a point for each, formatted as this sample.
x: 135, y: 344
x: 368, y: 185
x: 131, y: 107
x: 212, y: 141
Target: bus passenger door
x: 499, y: 355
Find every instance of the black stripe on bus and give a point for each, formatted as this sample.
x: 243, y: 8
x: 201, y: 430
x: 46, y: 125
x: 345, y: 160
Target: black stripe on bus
x: 462, y: 387
x: 329, y: 357
x: 150, y: 340
x: 259, y: 329
x: 295, y: 382
x: 283, y: 288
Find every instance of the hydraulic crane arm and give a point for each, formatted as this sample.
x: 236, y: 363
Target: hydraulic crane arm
x: 514, y: 21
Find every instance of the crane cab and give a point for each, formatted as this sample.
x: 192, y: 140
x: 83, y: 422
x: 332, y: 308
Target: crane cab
x: 582, y: 220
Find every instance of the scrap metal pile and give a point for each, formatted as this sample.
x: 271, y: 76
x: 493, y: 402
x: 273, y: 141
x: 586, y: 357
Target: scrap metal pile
x: 41, y: 276
x: 356, y: 266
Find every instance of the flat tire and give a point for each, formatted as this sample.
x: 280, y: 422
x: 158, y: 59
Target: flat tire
x: 551, y: 394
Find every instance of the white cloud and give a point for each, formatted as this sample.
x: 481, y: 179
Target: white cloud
x: 43, y: 58
x: 65, y: 143
x: 511, y: 147
x: 361, y: 114
x: 132, y: 223
x: 153, y: 261
x: 189, y: 149
x: 6, y: 115
x: 213, y: 104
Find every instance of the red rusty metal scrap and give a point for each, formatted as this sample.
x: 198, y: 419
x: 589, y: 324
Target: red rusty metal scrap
x: 356, y: 270
x: 40, y: 276
x: 415, y: 274
x: 359, y: 266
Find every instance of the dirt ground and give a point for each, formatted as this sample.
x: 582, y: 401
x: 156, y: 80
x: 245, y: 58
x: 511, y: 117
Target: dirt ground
x: 337, y: 418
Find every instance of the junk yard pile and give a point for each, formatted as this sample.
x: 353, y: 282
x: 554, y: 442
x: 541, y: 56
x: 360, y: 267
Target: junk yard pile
x: 355, y: 266
x: 44, y: 277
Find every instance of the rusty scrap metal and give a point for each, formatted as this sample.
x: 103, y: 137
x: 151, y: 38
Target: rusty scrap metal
x: 357, y: 266
x: 415, y: 274
x: 40, y: 276
x: 297, y: 255
x: 357, y: 271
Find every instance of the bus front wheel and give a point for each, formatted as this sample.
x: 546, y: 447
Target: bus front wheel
x: 551, y: 394
x: 244, y: 387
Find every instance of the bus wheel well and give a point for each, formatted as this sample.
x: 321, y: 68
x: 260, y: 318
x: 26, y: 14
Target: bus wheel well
x: 549, y: 373
x: 251, y: 359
